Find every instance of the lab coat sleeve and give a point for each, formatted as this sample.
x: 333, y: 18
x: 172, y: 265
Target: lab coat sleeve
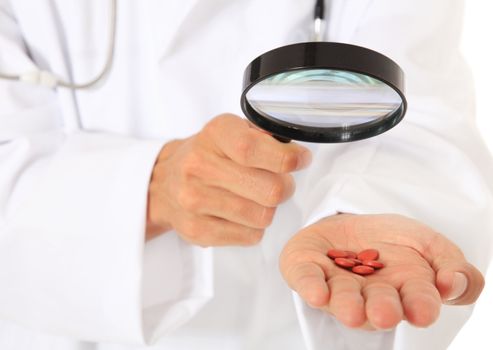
x: 73, y: 261
x: 432, y: 167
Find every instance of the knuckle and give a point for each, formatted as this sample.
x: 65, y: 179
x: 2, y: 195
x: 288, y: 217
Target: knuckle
x: 245, y: 148
x: 289, y: 161
x: 266, y: 217
x: 191, y: 165
x: 254, y: 237
x: 281, y: 189
x: 214, y: 124
x: 254, y: 215
x: 189, y: 199
x: 223, y: 117
x: 217, y: 123
x: 290, y: 185
x: 277, y: 193
x: 193, y: 230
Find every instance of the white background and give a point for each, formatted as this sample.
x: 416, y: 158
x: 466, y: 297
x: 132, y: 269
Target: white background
x: 477, y: 47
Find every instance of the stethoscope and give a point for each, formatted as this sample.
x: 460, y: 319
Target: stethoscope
x: 51, y: 80
x: 315, y: 91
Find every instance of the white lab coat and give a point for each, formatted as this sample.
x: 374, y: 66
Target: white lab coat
x: 75, y: 272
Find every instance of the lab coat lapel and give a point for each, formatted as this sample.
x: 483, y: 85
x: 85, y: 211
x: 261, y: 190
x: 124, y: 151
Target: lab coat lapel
x: 345, y: 17
x: 40, y: 26
x: 166, y: 18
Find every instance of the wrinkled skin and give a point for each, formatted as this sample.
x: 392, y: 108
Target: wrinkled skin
x: 418, y: 276
x: 222, y: 185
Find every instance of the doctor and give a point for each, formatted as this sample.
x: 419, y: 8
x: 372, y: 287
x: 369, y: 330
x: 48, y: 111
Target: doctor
x: 123, y: 208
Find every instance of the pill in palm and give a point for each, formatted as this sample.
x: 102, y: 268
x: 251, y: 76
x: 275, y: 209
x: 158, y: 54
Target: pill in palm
x: 368, y: 254
x: 362, y: 263
x: 356, y: 261
x: 344, y: 262
x: 336, y: 253
x: 373, y: 263
x: 363, y: 270
x: 351, y: 255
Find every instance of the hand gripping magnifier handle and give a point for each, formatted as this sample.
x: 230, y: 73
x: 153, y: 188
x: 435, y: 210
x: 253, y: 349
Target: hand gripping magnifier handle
x: 277, y: 137
x: 282, y: 139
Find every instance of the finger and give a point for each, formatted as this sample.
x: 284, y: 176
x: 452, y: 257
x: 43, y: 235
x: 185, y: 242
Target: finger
x: 251, y: 148
x: 459, y: 283
x: 231, y: 207
x: 308, y: 280
x: 383, y: 305
x: 346, y: 302
x: 209, y: 231
x: 260, y: 186
x: 420, y: 301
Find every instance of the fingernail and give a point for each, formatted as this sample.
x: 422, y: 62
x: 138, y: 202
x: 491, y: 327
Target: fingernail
x: 304, y: 160
x: 459, y: 286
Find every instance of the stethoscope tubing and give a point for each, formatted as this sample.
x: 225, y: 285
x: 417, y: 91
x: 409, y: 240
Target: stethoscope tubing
x: 49, y: 79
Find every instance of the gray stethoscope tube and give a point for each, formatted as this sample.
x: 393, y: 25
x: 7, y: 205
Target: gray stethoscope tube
x: 49, y: 79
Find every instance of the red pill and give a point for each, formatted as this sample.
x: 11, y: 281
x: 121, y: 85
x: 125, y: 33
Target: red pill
x: 356, y: 261
x: 336, y: 253
x: 373, y: 263
x: 343, y: 262
x: 363, y: 270
x: 351, y: 255
x: 368, y: 254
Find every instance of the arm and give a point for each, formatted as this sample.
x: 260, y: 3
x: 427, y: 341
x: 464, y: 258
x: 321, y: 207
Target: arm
x: 218, y: 187
x: 432, y: 167
x: 72, y: 218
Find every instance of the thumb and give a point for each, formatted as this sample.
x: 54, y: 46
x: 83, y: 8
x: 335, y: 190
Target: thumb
x: 458, y: 282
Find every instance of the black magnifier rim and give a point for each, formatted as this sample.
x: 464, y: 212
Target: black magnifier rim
x: 324, y: 55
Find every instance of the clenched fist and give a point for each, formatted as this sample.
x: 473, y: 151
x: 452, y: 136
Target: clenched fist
x: 222, y: 185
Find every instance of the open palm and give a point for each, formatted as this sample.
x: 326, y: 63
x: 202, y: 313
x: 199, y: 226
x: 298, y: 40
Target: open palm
x: 422, y: 268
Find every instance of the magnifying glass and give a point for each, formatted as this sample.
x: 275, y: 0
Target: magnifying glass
x: 323, y: 92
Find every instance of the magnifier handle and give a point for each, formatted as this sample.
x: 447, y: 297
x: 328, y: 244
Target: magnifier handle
x: 281, y: 139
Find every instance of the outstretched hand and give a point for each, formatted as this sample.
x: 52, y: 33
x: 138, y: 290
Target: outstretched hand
x: 422, y: 270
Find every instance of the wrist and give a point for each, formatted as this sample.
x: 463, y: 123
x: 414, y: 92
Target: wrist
x: 155, y: 223
x: 153, y: 230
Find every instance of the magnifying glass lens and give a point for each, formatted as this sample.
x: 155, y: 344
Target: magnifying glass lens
x: 323, y: 92
x: 326, y: 98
